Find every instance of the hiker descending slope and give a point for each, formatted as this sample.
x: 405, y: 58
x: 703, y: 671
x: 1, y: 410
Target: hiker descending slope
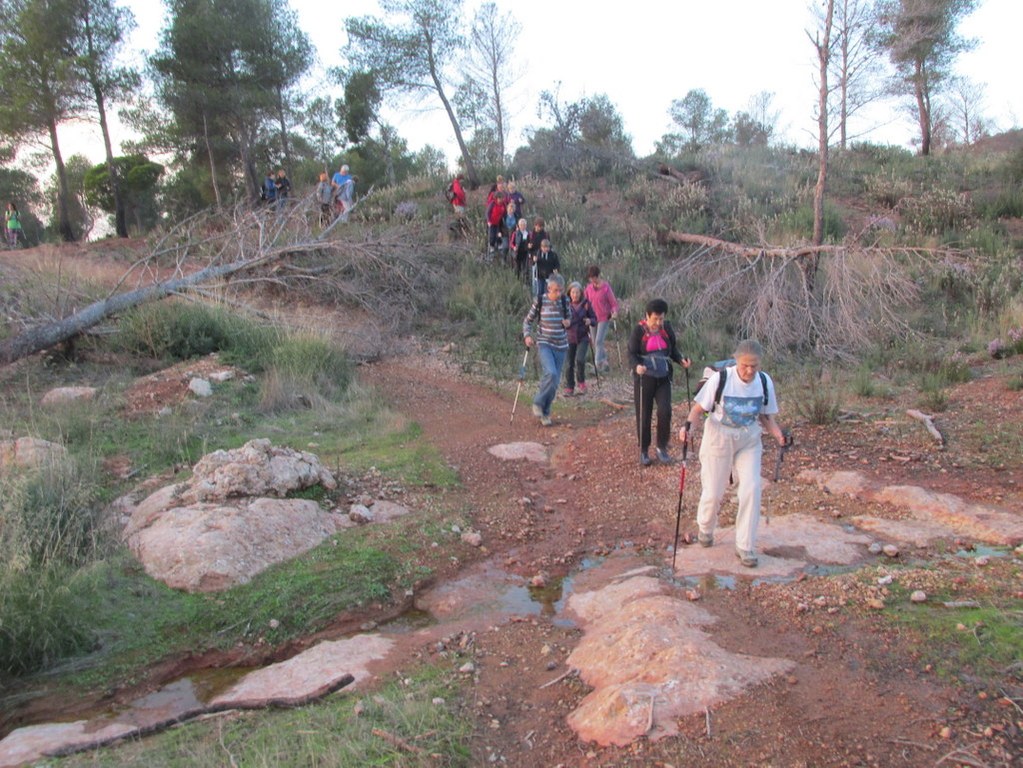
x: 652, y: 347
x: 551, y: 315
x: 741, y: 403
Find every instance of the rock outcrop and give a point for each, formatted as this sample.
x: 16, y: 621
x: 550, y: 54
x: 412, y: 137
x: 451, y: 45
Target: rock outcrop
x: 230, y: 522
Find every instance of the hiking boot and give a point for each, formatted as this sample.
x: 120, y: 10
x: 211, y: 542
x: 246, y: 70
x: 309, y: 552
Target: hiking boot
x: 582, y: 388
x: 644, y: 459
x: 705, y: 539
x: 568, y: 392
x: 537, y: 411
x: 663, y: 457
x: 546, y: 421
x: 747, y: 557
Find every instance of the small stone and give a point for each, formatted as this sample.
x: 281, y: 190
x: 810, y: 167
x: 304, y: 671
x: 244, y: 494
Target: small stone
x: 792, y: 680
x: 945, y: 732
x: 438, y: 701
x: 890, y: 550
x: 552, y: 665
x: 200, y: 387
x: 982, y: 561
x: 875, y: 603
x: 918, y: 596
x: 539, y: 581
x: 692, y: 595
x: 472, y: 538
x: 885, y: 580
x: 274, y: 623
x: 875, y: 548
x: 546, y: 650
x: 467, y: 668
x: 360, y: 513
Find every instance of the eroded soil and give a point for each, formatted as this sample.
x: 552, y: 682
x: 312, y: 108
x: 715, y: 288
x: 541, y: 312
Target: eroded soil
x: 858, y: 694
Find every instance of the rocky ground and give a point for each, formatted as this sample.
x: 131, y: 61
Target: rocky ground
x: 795, y: 663
x: 854, y: 692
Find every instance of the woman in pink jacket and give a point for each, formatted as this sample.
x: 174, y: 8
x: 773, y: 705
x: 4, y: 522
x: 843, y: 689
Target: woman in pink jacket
x: 605, y: 307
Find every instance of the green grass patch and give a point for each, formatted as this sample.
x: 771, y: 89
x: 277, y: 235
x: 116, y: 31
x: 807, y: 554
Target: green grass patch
x: 423, y: 708
x: 983, y: 642
x: 399, y: 453
x: 136, y: 621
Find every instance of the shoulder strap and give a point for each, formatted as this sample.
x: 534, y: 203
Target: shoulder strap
x: 722, y: 375
x: 721, y: 385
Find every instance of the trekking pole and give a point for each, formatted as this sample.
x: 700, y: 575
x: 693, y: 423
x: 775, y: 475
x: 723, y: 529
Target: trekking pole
x: 618, y: 343
x: 787, y: 434
x: 518, y: 389
x: 593, y: 354
x: 789, y: 440
x: 642, y: 413
x: 681, y: 488
x: 689, y: 397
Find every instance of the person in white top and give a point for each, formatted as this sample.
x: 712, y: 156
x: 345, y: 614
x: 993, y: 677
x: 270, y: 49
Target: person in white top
x: 739, y: 410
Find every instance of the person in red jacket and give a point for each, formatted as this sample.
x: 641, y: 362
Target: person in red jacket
x: 456, y: 194
x: 495, y: 217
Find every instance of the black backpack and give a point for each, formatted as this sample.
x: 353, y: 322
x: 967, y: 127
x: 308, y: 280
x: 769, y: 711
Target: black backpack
x: 721, y: 367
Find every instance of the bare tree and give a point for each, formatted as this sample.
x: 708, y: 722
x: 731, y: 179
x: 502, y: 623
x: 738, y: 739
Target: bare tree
x: 822, y: 44
x: 491, y: 64
x: 855, y: 67
x: 965, y: 103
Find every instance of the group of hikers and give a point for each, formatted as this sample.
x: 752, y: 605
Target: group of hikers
x: 335, y: 195
x: 563, y: 324
x: 12, y: 225
x: 739, y: 401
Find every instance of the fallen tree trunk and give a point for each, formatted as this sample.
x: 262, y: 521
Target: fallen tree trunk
x: 46, y: 335
x: 751, y: 252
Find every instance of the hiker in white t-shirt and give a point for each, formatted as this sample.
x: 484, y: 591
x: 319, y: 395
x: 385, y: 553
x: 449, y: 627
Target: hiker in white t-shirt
x: 738, y: 413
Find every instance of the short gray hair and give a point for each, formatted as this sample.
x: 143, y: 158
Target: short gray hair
x: 748, y: 347
x: 558, y: 280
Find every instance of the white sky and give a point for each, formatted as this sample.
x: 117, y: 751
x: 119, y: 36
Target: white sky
x: 657, y: 52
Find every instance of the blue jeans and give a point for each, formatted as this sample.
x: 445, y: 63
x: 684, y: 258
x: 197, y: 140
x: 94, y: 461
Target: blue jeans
x: 552, y: 360
x: 599, y: 351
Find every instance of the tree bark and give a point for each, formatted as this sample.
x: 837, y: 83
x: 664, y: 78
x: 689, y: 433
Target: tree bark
x: 63, y: 215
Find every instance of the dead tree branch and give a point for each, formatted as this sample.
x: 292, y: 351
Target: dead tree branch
x: 860, y: 294
x: 212, y: 253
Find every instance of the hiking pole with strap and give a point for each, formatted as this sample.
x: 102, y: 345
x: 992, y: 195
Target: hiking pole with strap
x: 681, y: 488
x: 787, y: 434
x: 518, y: 389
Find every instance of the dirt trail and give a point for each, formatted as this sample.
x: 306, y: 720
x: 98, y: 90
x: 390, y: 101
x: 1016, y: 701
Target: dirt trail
x: 855, y: 697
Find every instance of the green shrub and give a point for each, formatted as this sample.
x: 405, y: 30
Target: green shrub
x: 49, y: 516
x: 933, y: 396
x: 174, y: 330
x: 887, y: 190
x: 864, y: 382
x: 937, y: 211
x: 821, y: 404
x: 799, y: 222
x: 42, y: 617
x: 954, y: 370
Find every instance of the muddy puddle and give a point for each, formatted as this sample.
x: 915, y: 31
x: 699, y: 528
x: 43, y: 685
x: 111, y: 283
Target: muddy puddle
x: 484, y: 595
